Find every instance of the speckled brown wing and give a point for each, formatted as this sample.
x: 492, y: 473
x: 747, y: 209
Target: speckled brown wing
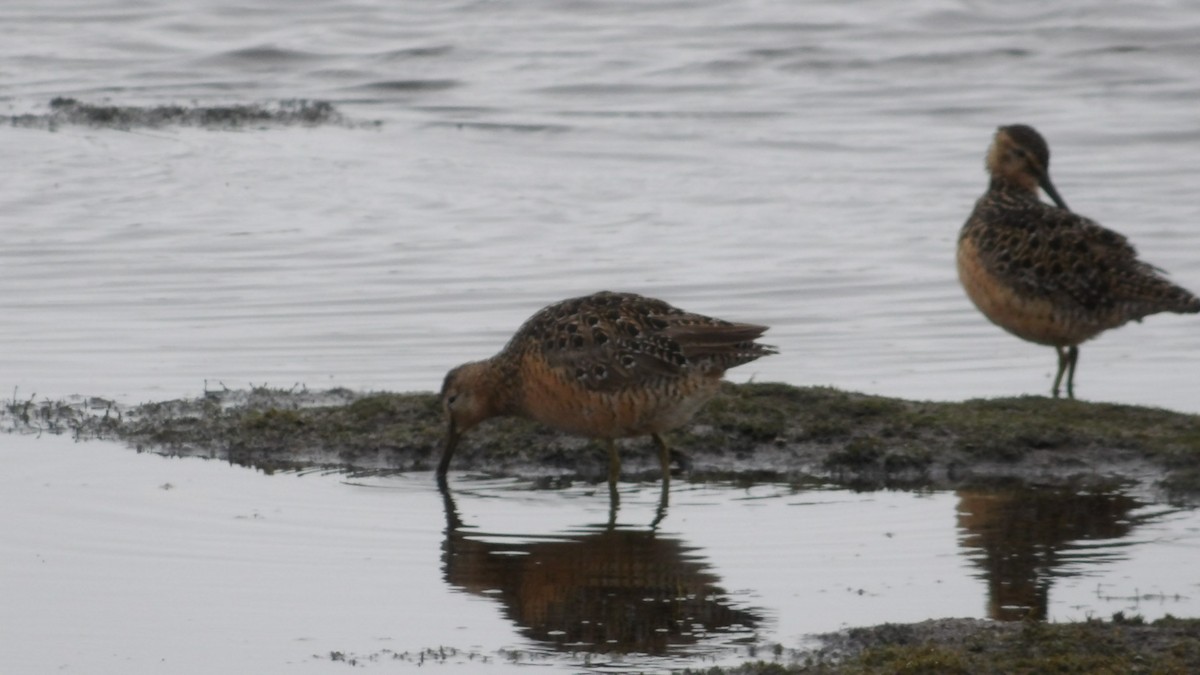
x: 612, y: 341
x: 1046, y: 252
x: 716, y: 345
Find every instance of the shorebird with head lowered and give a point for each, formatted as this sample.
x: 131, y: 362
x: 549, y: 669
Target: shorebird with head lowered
x: 1048, y: 275
x: 607, y: 365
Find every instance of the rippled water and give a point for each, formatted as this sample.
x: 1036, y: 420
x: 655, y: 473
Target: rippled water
x: 114, y: 561
x: 802, y: 166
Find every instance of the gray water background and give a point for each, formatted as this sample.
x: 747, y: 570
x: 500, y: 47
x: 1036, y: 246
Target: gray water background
x: 804, y: 165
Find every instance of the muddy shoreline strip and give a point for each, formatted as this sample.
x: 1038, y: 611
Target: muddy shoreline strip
x: 750, y: 432
x: 1121, y: 646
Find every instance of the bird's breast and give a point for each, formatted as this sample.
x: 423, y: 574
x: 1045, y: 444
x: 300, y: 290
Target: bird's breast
x: 653, y: 405
x: 1032, y: 318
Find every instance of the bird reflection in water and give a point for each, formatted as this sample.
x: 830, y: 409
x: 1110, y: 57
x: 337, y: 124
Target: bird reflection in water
x: 1022, y: 537
x: 604, y: 589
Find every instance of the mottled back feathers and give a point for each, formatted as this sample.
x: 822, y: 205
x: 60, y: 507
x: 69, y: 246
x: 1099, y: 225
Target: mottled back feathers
x: 1046, y: 252
x: 612, y: 341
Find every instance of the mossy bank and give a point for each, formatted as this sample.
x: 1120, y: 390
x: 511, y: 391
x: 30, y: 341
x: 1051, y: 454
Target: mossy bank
x: 1123, y: 646
x: 750, y: 432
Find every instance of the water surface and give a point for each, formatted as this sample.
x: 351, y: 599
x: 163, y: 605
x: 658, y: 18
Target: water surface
x: 115, y: 561
x: 807, y: 167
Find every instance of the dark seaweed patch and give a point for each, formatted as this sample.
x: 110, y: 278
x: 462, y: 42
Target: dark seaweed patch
x: 298, y: 112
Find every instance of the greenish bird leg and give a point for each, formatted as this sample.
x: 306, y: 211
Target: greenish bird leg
x: 614, y: 464
x: 1072, y: 359
x: 1062, y: 366
x: 664, y: 456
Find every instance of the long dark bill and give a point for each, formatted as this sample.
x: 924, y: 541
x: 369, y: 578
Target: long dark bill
x: 452, y: 435
x: 1048, y: 188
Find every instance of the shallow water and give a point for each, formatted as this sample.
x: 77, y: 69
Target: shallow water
x: 805, y: 167
x: 114, y: 561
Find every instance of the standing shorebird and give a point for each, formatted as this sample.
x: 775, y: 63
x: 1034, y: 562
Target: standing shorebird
x: 1048, y: 275
x: 608, y: 365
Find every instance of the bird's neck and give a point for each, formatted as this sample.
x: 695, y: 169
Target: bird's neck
x: 1014, y: 189
x: 500, y: 379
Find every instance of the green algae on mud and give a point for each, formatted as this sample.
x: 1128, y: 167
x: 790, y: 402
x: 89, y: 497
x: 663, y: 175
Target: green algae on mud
x: 969, y: 646
x: 762, y: 431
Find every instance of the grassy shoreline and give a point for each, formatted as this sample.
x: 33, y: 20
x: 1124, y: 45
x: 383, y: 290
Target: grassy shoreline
x: 1168, y: 646
x: 748, y: 432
